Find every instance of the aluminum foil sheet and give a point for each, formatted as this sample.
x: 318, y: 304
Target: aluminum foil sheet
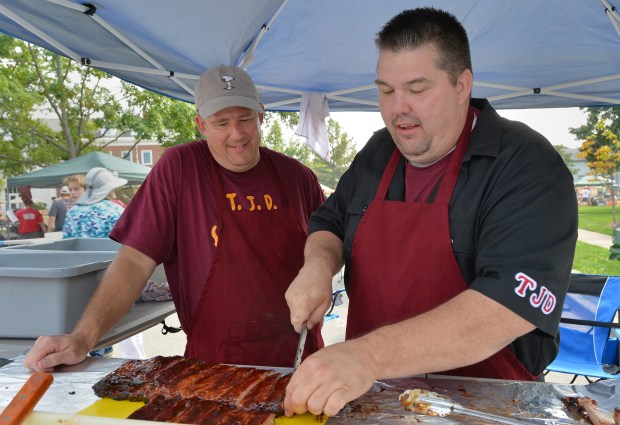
x: 71, y: 390
x: 523, y: 402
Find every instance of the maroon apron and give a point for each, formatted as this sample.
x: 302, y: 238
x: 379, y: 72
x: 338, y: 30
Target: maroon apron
x: 402, y: 264
x: 242, y: 316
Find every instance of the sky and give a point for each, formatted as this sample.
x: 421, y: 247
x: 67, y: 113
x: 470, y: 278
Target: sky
x: 553, y: 123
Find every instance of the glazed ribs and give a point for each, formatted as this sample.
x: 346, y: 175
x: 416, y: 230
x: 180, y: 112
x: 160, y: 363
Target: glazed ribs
x: 197, y: 411
x: 178, y: 378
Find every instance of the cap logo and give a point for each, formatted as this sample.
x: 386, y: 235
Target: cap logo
x: 227, y: 80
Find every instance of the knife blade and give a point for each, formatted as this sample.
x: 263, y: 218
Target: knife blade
x: 300, y: 345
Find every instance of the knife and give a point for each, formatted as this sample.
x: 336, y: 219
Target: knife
x: 300, y: 345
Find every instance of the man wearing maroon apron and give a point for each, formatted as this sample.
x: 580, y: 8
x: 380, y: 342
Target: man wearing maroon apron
x: 241, y: 316
x: 228, y: 219
x: 457, y: 255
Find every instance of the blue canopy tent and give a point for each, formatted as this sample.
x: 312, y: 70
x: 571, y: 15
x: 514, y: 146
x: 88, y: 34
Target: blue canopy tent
x: 526, y: 53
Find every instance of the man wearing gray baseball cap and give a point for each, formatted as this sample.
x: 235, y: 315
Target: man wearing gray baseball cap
x: 228, y: 219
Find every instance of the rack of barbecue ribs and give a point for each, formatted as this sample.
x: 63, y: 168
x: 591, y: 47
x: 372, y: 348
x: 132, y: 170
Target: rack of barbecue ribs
x: 169, y: 380
x: 197, y: 411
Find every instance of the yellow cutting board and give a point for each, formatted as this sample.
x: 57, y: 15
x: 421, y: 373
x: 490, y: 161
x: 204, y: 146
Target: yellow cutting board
x: 108, y: 408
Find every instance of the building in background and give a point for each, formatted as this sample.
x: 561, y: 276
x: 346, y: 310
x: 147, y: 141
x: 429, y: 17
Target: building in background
x: 123, y: 146
x: 577, y: 165
x: 145, y: 152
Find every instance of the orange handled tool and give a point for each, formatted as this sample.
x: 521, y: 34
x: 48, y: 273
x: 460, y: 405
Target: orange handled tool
x: 25, y: 400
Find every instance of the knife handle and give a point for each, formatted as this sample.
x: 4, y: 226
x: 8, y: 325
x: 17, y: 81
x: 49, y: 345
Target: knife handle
x: 26, y: 398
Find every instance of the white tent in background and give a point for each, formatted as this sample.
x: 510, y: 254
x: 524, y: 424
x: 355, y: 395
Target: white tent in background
x: 594, y: 181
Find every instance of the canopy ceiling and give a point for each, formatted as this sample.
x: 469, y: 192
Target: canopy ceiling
x: 526, y: 53
x: 52, y: 176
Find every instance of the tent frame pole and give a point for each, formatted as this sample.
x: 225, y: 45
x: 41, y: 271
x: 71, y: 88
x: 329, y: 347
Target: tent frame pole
x: 248, y: 55
x: 612, y: 14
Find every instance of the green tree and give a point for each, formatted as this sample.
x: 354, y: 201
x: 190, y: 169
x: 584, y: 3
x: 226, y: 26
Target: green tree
x: 341, y: 147
x: 151, y: 116
x: 288, y: 119
x: 567, y: 157
x: 274, y: 139
x: 341, y: 151
x: 36, y: 84
x: 594, y: 142
x: 298, y: 149
x: 610, y: 114
x: 601, y: 150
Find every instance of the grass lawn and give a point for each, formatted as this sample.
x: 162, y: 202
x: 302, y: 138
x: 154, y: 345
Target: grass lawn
x: 598, y: 219
x: 591, y: 259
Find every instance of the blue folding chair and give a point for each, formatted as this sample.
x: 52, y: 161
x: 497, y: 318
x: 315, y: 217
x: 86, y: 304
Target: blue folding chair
x: 589, y: 328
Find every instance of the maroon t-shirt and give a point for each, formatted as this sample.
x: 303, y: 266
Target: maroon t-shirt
x: 421, y: 181
x: 171, y: 217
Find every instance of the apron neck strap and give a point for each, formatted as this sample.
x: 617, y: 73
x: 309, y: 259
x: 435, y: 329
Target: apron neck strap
x: 390, y: 169
x: 448, y: 180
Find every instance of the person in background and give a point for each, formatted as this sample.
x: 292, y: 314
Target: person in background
x: 58, y: 211
x: 4, y: 224
x: 585, y: 197
x: 457, y: 228
x: 31, y: 223
x: 25, y: 193
x: 77, y: 186
x: 94, y: 216
x: 228, y: 219
x: 112, y: 197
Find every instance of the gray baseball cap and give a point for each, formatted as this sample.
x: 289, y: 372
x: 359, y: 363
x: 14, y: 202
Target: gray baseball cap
x: 225, y: 86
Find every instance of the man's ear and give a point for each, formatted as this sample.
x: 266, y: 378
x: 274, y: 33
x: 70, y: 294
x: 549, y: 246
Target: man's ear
x: 465, y: 84
x: 261, y: 115
x: 200, y: 123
